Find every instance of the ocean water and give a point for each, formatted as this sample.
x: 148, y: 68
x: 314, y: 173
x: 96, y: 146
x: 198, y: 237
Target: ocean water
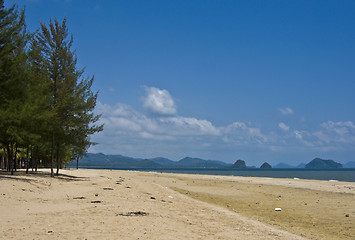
x: 345, y: 174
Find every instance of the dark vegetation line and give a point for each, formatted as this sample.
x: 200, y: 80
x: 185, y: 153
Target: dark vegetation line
x: 46, y: 104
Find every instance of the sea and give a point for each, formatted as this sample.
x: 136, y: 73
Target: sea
x: 344, y: 174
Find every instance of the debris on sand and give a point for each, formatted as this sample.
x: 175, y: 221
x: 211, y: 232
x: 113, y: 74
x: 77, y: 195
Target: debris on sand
x: 79, y: 197
x: 133, y: 214
x: 120, y: 181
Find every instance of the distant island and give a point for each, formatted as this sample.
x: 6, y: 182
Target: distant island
x: 239, y: 164
x: 100, y: 160
x: 266, y: 166
x: 319, y: 163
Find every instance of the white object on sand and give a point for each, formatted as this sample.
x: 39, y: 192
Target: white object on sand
x: 170, y: 197
x: 278, y: 209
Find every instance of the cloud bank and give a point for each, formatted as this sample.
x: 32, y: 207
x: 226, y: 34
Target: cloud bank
x: 165, y: 133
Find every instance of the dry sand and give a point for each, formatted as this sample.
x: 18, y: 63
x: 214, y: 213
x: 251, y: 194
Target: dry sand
x: 104, y: 204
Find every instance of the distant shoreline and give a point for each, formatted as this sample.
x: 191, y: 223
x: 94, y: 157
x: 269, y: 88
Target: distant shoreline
x: 343, y: 174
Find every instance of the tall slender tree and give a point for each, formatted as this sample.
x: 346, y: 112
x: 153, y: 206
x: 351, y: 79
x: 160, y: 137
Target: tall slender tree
x: 72, y: 102
x: 13, y: 91
x: 46, y: 105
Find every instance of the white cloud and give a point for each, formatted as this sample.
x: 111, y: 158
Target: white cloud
x: 298, y: 134
x: 151, y: 136
x: 122, y: 117
x: 330, y: 136
x: 340, y: 128
x: 159, y: 101
x: 129, y: 132
x: 337, y: 132
x: 284, y: 126
x: 322, y: 136
x: 241, y: 133
x: 133, y: 133
x: 123, y: 123
x: 286, y: 111
x: 193, y: 126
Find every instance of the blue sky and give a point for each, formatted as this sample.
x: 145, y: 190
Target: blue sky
x: 255, y: 80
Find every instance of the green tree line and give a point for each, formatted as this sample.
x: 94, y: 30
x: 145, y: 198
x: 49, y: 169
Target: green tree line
x: 46, y: 103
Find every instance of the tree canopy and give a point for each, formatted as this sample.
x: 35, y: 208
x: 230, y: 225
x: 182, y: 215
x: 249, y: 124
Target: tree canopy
x: 46, y: 103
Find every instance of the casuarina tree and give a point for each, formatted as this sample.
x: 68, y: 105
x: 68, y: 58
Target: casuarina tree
x: 72, y: 101
x: 13, y: 91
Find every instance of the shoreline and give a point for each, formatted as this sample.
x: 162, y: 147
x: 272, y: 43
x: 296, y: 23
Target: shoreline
x: 297, y: 173
x: 176, y: 206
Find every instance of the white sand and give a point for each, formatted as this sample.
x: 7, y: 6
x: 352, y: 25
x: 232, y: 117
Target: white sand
x: 36, y: 206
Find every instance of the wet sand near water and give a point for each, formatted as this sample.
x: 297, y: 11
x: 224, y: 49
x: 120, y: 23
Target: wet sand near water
x: 309, y: 208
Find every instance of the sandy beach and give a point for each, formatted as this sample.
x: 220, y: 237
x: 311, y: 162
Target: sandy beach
x: 105, y: 204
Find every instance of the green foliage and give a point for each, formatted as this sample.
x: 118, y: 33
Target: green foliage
x: 45, y: 102
x: 13, y: 84
x: 71, y: 100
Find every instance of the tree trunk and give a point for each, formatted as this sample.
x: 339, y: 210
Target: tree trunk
x: 36, y: 159
x: 27, y: 160
x: 10, y: 158
x: 15, y: 159
x: 31, y: 158
x: 3, y: 159
x: 7, y: 158
x: 58, y: 160
x: 52, y: 157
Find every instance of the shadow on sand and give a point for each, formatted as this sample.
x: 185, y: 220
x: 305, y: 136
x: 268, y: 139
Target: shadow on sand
x: 21, y: 175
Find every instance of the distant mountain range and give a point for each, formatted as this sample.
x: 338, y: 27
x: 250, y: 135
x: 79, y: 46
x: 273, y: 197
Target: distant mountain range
x: 100, y: 160
x: 349, y: 165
